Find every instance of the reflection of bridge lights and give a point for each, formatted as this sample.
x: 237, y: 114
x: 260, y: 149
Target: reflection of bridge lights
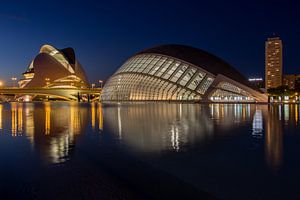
x: 93, y: 113
x: 47, y: 118
x: 29, y: 122
x: 14, y: 119
x: 20, y: 118
x: 100, y: 117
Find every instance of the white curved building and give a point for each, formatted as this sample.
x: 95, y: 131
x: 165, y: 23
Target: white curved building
x: 54, y: 68
x: 178, y: 72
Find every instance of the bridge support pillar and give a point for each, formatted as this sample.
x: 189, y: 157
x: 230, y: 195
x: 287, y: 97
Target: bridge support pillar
x: 78, y: 97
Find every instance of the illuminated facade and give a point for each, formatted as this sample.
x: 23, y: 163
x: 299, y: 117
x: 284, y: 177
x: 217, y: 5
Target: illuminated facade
x: 54, y: 68
x: 273, y: 62
x: 291, y: 81
x: 180, y: 73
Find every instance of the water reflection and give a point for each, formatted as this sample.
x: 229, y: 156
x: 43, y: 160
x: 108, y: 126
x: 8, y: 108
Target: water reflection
x: 257, y: 125
x: 47, y: 118
x: 156, y: 127
x: 274, y: 136
x: 1, y: 108
x: 175, y: 127
x: 100, y: 117
x: 50, y: 127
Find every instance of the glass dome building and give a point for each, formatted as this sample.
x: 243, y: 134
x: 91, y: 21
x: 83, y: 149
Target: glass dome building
x: 179, y: 73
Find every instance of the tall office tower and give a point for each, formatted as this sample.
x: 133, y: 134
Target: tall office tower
x: 273, y: 62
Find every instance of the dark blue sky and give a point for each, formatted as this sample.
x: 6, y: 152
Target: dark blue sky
x: 105, y: 33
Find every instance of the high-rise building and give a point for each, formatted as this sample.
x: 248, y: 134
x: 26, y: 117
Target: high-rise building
x: 273, y: 62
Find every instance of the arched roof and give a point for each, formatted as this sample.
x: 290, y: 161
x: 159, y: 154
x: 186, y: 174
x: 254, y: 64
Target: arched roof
x: 200, y: 58
x: 55, y: 63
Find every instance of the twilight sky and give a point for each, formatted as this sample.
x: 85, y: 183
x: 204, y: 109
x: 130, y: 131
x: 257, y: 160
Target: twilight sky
x: 105, y: 33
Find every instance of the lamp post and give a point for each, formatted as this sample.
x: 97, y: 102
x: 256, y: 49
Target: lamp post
x: 1, y: 83
x: 14, y: 81
x: 100, y: 82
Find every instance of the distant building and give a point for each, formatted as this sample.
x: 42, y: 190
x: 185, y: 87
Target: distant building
x: 258, y: 82
x: 273, y: 62
x: 292, y: 81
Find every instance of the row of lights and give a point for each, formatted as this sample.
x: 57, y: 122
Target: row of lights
x: 14, y: 79
x: 100, y: 82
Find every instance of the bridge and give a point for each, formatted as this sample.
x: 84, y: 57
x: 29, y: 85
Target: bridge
x: 69, y: 94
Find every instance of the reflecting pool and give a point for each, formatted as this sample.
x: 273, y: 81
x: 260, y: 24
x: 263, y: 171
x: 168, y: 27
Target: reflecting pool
x: 63, y: 150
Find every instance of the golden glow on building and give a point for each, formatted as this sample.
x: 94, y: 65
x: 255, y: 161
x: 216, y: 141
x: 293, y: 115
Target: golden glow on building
x: 273, y: 62
x: 291, y: 81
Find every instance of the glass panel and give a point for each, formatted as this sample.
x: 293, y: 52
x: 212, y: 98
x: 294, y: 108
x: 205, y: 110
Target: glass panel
x: 198, y: 78
x: 151, y: 64
x: 157, y: 65
x: 164, y: 67
x: 187, y: 76
x: 173, y: 68
x: 204, y: 86
x: 181, y: 70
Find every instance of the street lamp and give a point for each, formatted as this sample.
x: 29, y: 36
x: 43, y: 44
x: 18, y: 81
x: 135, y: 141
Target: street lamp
x: 101, y: 82
x: 14, y: 81
x: 1, y: 83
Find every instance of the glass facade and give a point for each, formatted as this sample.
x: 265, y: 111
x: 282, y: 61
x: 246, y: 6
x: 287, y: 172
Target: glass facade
x: 151, y: 76
x: 229, y: 92
x: 157, y: 77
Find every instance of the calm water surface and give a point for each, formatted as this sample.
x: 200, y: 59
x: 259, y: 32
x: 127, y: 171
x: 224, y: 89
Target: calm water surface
x: 62, y: 150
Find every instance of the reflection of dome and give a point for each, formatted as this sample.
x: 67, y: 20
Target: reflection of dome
x: 177, y: 72
x: 54, y: 68
x: 159, y: 126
